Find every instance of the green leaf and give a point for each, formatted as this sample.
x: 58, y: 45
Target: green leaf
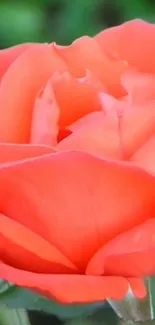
x: 4, y: 286
x: 13, y: 316
x: 104, y: 315
x: 151, y: 292
x: 15, y: 297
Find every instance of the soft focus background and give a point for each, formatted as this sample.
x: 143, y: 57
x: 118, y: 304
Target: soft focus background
x: 63, y: 21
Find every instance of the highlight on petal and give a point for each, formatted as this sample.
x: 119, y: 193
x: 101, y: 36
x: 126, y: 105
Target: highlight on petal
x: 140, y: 86
x: 97, y: 134
x: 108, y: 198
x: 23, y: 80
x: 137, y: 125
x: 85, y: 53
x: 14, y: 152
x: 117, y: 40
x: 145, y: 156
x: 9, y: 55
x: 131, y: 254
x: 22, y: 248
x: 64, y: 100
x: 69, y: 288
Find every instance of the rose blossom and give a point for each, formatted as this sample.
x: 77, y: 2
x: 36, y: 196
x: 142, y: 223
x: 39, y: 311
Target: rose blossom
x: 77, y: 182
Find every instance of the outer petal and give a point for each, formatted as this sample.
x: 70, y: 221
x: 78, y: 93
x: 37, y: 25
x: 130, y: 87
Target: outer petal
x: 84, y: 54
x: 8, y: 55
x: 76, y: 201
x: 133, y: 41
x: 131, y: 254
x: 98, y: 134
x: 72, y: 288
x: 19, y: 87
x: 24, y: 249
x: 14, y: 152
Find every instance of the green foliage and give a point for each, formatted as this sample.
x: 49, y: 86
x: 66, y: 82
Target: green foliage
x: 64, y: 20
x: 15, y: 297
x: 14, y: 301
x: 13, y: 317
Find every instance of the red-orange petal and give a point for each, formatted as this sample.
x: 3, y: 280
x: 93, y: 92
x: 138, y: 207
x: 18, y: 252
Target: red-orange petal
x: 7, y: 56
x: 137, y: 125
x: 117, y: 41
x: 14, y: 152
x: 97, y: 134
x: 85, y: 53
x: 131, y: 254
x: 44, y: 127
x: 76, y: 201
x: 137, y: 287
x: 23, y: 249
x: 75, y: 97
x: 139, y: 86
x: 70, y: 288
x: 136, y: 122
x: 19, y: 87
x: 145, y: 155
x: 64, y: 100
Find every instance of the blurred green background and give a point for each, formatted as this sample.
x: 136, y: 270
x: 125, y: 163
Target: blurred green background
x: 63, y: 21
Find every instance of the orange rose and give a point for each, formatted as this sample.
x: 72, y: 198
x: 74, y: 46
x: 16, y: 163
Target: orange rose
x: 77, y: 182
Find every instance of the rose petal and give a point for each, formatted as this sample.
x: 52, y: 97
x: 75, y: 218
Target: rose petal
x: 84, y: 53
x: 136, y: 122
x: 75, y: 97
x: 145, y: 156
x: 76, y: 201
x: 131, y: 254
x: 140, y: 87
x: 24, y: 249
x: 98, y: 135
x: 64, y: 100
x: 14, y: 152
x: 19, y: 87
x: 44, y: 127
x: 71, y: 288
x: 137, y: 125
x: 7, y: 56
x: 137, y: 287
x: 117, y: 40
